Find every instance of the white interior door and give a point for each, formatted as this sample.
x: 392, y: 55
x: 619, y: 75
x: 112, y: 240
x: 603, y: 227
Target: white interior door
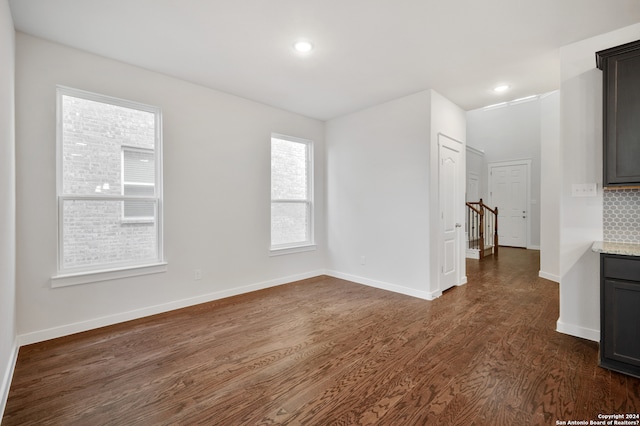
x: 473, y: 187
x: 509, y: 189
x: 451, y: 210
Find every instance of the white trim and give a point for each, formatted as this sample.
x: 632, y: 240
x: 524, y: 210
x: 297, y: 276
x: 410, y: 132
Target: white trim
x: 526, y: 162
x: 524, y: 99
x: 310, y: 200
x: 512, y: 102
x: 473, y: 254
x: 544, y: 95
x: 77, y: 327
x: 533, y: 248
x: 290, y: 138
x: 548, y: 276
x: 59, y: 176
x: 577, y: 331
x: 462, y: 184
x: 140, y: 219
x: 62, y: 272
x: 7, y: 376
x: 495, y: 106
x: 64, y: 330
x: 290, y: 250
x: 450, y: 138
x: 96, y: 97
x: 108, y: 197
x: 475, y: 150
x: 386, y: 286
x: 66, y: 280
x: 126, y: 182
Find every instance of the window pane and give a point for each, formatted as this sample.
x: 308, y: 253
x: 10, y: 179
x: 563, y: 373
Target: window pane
x: 93, y: 134
x: 94, y: 235
x: 289, y: 223
x: 288, y: 170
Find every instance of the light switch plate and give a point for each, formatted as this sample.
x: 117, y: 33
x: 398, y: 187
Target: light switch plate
x: 584, y: 190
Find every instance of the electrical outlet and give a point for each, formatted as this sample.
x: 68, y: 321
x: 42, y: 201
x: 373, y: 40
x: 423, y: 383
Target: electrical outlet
x: 363, y: 260
x: 197, y: 274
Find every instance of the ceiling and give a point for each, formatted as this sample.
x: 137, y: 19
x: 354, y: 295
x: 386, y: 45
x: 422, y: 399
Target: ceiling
x: 366, y: 51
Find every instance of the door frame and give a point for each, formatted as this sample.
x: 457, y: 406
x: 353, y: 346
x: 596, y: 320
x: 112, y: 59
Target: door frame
x: 461, y: 277
x: 526, y: 162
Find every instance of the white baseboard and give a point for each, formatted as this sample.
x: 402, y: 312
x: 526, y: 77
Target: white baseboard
x: 550, y: 277
x: 65, y: 330
x: 386, y: 286
x: 533, y: 248
x: 7, y: 375
x: 473, y: 254
x: 577, y: 331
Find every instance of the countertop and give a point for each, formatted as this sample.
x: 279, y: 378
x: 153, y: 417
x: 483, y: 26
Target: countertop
x: 616, y: 248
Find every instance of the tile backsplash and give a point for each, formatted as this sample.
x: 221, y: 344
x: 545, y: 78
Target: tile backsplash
x: 621, y: 215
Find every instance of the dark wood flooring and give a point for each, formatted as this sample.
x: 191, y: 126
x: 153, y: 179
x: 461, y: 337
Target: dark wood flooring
x: 329, y: 352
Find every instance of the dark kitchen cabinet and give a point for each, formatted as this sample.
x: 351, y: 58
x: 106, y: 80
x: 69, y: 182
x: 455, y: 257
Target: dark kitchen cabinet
x: 620, y: 313
x: 621, y: 110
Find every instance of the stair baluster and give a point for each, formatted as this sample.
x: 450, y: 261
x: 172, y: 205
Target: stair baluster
x: 482, y: 228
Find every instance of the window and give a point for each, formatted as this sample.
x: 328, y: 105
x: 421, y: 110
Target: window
x: 291, y: 193
x: 108, y: 184
x: 138, y: 178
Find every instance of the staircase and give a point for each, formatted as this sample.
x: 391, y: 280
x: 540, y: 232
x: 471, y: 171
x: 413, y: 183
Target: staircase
x: 482, y: 230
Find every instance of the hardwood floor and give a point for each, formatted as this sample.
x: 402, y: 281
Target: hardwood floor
x: 329, y: 352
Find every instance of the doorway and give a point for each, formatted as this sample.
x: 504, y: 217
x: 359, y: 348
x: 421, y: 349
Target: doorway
x: 509, y: 189
x: 473, y: 187
x: 451, y: 197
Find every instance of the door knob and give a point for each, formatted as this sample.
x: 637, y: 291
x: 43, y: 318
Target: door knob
x: 458, y: 225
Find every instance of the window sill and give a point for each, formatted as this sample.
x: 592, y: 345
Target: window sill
x: 86, y: 277
x: 290, y: 250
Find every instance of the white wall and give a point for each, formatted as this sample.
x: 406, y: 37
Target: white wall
x: 450, y: 120
x: 581, y: 162
x: 378, y: 195
x: 8, y: 344
x: 549, y: 196
x: 216, y: 193
x: 508, y: 133
x: 382, y: 200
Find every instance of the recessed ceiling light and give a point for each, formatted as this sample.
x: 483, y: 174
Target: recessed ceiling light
x: 501, y: 88
x: 302, y: 46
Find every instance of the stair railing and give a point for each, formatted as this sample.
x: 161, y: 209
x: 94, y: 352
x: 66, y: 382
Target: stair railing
x: 482, y: 227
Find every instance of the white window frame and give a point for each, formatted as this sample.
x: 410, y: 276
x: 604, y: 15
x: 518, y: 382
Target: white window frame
x: 136, y: 219
x: 87, y: 274
x: 309, y: 244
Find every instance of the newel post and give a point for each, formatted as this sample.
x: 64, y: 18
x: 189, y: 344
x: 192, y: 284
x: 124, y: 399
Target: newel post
x: 495, y: 234
x: 481, y: 236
